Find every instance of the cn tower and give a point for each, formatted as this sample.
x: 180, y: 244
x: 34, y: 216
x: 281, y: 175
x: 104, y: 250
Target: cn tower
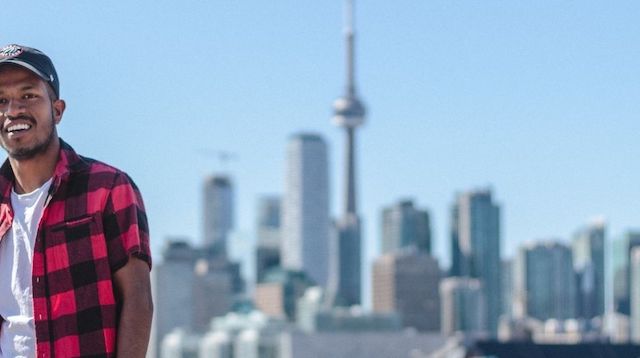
x: 349, y: 113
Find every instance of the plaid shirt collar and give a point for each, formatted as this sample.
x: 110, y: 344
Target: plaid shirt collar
x: 68, y: 161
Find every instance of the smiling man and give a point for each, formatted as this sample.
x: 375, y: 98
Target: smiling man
x: 74, y: 242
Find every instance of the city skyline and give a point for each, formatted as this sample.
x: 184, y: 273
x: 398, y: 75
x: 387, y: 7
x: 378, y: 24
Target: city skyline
x: 536, y: 100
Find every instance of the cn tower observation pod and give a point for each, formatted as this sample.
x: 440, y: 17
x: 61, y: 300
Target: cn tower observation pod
x: 348, y: 112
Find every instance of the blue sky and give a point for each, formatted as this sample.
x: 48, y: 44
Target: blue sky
x: 537, y: 99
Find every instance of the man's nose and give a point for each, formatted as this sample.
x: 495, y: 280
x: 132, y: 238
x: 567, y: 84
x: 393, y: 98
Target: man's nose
x: 14, y: 107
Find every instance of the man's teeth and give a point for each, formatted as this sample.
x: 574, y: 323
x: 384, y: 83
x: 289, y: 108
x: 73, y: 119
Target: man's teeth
x: 18, y: 127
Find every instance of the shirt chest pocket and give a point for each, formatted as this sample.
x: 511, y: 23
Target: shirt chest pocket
x: 72, y: 223
x: 74, y: 247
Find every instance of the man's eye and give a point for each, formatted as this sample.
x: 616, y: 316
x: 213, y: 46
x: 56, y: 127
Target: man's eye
x: 29, y: 96
x: 3, y: 101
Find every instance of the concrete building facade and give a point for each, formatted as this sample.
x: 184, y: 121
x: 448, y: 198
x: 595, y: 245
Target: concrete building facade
x: 462, y: 306
x: 305, y: 211
x: 407, y: 282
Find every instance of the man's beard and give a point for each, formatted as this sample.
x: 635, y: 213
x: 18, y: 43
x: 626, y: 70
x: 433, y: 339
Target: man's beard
x: 32, y: 152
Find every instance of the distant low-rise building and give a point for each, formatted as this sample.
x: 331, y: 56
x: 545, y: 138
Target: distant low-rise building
x: 616, y: 326
x: 190, y: 286
x: 255, y: 335
x: 181, y: 343
x: 171, y: 283
x: 408, y: 344
x: 407, y: 282
x: 314, y: 314
x: 552, y: 331
x: 212, y: 294
x: 462, y: 306
x: 276, y: 296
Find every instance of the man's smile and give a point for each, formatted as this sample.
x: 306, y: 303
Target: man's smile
x: 17, y: 127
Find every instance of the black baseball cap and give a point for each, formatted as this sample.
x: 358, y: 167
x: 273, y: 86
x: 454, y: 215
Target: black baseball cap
x: 34, y: 60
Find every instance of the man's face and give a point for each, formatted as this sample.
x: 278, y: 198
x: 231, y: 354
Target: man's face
x: 29, y: 113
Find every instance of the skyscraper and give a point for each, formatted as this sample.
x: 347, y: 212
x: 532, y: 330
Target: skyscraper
x: 476, y: 231
x: 269, y: 236
x: 546, y: 298
x: 588, y: 262
x: 349, y: 113
x: 305, y: 212
x: 404, y: 225
x: 407, y: 282
x: 620, y: 259
x: 218, y: 212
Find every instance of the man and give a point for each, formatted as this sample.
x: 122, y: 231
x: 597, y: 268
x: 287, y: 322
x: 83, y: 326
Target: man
x: 74, y: 243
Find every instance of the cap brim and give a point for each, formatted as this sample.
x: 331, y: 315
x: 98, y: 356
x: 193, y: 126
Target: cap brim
x: 28, y: 67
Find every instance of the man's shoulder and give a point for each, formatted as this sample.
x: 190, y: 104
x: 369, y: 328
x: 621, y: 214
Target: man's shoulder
x: 97, y: 166
x: 96, y: 170
x: 89, y: 173
x: 71, y: 161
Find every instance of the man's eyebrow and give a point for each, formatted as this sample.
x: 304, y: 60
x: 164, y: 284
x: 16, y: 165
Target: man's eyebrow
x: 28, y: 86
x: 25, y: 87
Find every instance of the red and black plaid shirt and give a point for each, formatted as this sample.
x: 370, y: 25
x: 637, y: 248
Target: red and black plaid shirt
x: 93, y: 221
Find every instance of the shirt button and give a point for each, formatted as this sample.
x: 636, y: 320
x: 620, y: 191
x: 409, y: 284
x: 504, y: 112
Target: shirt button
x: 40, y: 317
x: 38, y: 279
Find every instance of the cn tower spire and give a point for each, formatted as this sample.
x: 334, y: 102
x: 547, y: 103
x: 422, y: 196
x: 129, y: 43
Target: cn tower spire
x: 349, y: 112
x: 348, y: 29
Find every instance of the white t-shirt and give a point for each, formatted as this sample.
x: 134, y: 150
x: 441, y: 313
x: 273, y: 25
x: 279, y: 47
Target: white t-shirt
x: 18, y: 333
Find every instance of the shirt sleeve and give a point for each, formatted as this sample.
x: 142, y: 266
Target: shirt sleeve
x: 125, y: 224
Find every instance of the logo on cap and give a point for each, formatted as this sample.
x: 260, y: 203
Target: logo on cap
x: 10, y: 51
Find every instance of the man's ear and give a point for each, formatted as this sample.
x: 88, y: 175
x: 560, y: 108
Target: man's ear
x: 58, y: 109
